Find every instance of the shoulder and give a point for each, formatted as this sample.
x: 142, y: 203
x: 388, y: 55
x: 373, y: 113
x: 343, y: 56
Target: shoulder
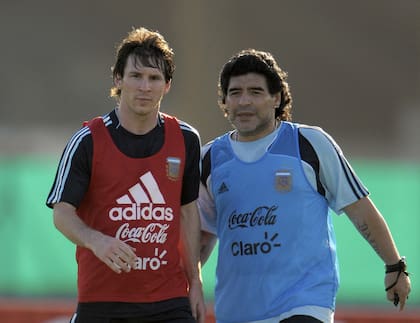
x: 205, y: 150
x: 191, y: 134
x: 82, y: 138
x: 312, y: 131
x: 319, y: 139
x: 317, y: 146
x: 109, y: 120
x: 221, y: 140
x: 188, y: 129
x: 206, y: 162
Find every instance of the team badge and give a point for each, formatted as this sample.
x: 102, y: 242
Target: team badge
x: 283, y: 181
x: 173, y: 167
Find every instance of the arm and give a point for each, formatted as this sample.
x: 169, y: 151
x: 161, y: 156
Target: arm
x: 345, y: 192
x: 190, y: 245
x: 208, y: 241
x: 372, y: 226
x: 116, y: 254
x: 208, y: 217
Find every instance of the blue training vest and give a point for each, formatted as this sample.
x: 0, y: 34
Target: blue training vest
x: 276, y: 240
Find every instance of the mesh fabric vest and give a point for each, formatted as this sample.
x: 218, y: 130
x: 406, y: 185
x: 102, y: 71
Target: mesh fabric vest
x: 276, y: 243
x: 136, y: 200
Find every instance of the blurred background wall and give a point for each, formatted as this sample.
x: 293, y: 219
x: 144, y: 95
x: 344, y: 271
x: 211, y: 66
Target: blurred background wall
x: 354, y: 69
x: 353, y: 66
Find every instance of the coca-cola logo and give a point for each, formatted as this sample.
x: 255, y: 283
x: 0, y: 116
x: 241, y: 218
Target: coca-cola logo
x: 262, y: 215
x: 152, y: 233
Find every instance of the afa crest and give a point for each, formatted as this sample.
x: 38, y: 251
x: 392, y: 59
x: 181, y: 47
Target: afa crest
x: 173, y: 167
x: 283, y: 180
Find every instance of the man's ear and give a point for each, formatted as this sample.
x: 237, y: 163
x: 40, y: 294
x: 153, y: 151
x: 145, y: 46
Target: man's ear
x: 277, y: 100
x: 117, y: 81
x: 168, y: 86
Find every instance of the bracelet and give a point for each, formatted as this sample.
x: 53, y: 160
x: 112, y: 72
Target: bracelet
x: 400, y: 266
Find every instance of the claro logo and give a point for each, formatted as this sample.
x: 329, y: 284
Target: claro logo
x: 143, y: 201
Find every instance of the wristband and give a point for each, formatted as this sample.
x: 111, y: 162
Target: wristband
x: 400, y: 266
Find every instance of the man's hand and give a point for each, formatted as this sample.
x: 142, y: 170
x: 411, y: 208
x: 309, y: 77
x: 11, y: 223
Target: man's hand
x: 401, y: 289
x: 116, y: 254
x: 196, y: 297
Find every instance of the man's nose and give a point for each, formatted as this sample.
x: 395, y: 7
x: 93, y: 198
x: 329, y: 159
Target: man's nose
x: 144, y: 84
x: 244, y: 99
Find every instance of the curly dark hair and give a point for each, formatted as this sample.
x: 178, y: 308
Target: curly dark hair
x: 149, y: 48
x: 260, y: 62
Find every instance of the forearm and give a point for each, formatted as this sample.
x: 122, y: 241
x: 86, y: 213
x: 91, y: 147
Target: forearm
x: 190, y: 241
x: 208, y: 241
x: 373, y: 227
x: 72, y: 227
x: 190, y: 252
x: 116, y: 254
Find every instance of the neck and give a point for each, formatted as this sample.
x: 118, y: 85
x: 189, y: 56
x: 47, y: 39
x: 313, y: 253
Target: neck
x: 138, y: 124
x: 243, y: 136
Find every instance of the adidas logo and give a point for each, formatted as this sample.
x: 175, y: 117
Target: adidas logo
x: 144, y: 200
x: 223, y: 188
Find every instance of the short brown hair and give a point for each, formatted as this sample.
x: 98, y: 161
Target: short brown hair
x: 148, y: 48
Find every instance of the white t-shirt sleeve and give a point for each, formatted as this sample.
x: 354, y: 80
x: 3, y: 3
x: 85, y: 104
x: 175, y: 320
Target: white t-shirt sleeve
x: 342, y: 185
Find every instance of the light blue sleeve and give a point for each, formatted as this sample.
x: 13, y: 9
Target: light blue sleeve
x: 342, y: 185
